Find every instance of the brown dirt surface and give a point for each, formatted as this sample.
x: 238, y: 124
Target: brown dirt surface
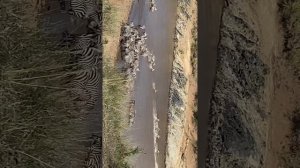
x: 276, y: 97
x: 282, y: 91
x: 188, y: 155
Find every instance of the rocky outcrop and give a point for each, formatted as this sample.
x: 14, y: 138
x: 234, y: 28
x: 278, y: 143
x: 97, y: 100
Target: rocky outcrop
x: 237, y: 119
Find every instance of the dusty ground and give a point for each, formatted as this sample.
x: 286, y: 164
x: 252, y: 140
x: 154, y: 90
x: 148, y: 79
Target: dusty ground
x: 121, y: 10
x: 188, y: 151
x: 189, y: 157
x: 255, y: 89
x: 282, y: 90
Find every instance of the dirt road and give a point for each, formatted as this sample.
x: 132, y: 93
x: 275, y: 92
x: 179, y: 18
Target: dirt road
x: 208, y: 37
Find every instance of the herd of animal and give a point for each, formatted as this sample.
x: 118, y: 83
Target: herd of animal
x: 133, y: 45
x: 86, y: 52
x: 153, y: 5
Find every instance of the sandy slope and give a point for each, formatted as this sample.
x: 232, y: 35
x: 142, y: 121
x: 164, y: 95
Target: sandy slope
x: 182, y: 131
x: 255, y: 89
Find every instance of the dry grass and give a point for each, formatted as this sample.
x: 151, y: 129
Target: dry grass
x: 116, y: 150
x: 39, y: 125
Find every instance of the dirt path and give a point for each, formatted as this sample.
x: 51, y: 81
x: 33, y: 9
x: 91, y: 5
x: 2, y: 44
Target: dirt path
x: 282, y: 91
x: 188, y: 151
x: 209, y: 25
x: 250, y: 123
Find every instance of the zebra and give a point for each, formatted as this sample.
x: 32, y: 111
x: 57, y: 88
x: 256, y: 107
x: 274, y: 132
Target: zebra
x: 153, y: 86
x: 87, y: 75
x: 80, y: 94
x: 86, y: 81
x: 93, y: 159
x: 93, y: 87
x: 92, y: 9
x: 94, y: 94
x: 78, y: 8
x: 131, y: 25
x: 142, y: 27
x: 94, y: 20
x: 152, y: 6
x: 86, y: 9
x: 99, y: 39
x: 91, y: 58
x: 88, y: 57
x: 93, y: 13
x: 87, y: 84
x: 84, y: 41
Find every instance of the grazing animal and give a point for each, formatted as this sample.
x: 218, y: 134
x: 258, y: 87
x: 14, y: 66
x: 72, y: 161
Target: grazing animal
x: 88, y: 78
x: 93, y: 159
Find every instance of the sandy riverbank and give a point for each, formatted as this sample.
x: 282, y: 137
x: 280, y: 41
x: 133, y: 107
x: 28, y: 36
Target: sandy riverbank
x: 182, y: 131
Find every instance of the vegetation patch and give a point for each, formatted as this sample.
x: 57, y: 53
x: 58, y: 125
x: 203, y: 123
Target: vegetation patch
x: 290, y: 11
x: 291, y: 158
x: 109, y: 18
x: 39, y: 124
x: 194, y: 51
x: 116, y: 149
